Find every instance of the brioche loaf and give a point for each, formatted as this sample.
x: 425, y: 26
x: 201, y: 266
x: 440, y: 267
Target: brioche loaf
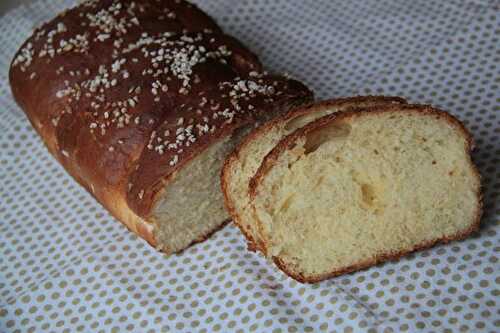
x: 360, y: 187
x: 241, y: 165
x: 140, y: 101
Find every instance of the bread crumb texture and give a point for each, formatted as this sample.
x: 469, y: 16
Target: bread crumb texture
x: 244, y: 163
x: 366, y: 187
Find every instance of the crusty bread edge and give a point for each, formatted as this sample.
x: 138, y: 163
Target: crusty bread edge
x: 289, y: 141
x: 234, y: 156
x: 307, y: 106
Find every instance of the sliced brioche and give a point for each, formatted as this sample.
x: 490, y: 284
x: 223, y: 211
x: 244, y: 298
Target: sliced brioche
x: 356, y: 188
x: 242, y: 164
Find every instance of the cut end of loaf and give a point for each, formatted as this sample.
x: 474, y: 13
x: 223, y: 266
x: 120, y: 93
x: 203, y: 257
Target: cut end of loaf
x: 191, y: 207
x: 352, y: 190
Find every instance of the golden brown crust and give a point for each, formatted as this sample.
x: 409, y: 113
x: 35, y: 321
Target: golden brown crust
x: 98, y: 80
x: 288, y: 143
x: 229, y: 204
x: 43, y: 67
x: 307, y: 107
x: 86, y: 49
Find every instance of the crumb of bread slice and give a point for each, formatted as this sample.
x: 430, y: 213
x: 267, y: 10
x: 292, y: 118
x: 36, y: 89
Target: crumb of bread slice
x: 356, y: 188
x: 242, y: 164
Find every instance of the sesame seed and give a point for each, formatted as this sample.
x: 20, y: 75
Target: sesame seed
x: 103, y: 37
x: 174, y: 160
x: 162, y: 60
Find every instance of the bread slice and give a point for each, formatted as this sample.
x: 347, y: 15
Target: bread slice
x: 242, y: 164
x: 357, y: 188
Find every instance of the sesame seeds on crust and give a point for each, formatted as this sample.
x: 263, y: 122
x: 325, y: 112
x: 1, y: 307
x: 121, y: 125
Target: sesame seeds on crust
x: 121, y: 89
x: 163, y: 69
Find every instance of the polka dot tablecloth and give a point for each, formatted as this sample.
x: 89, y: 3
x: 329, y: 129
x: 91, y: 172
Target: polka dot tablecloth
x: 67, y: 266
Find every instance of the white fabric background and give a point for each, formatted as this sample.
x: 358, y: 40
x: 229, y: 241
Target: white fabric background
x: 67, y: 266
